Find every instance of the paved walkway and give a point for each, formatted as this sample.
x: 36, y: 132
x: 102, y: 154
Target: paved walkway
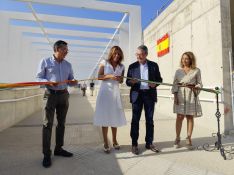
x: 20, y: 148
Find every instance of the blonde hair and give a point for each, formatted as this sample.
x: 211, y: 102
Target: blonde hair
x: 192, y: 60
x: 113, y: 51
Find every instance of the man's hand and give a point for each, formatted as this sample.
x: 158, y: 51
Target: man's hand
x: 53, y: 84
x: 73, y: 82
x: 133, y: 81
x: 152, y: 85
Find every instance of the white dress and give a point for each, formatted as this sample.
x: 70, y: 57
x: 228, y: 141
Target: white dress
x: 109, y: 110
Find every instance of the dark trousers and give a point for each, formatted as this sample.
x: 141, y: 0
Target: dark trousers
x: 84, y: 91
x: 144, y: 99
x: 60, y: 104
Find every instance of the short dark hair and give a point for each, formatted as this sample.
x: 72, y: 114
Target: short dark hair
x: 144, y: 48
x: 59, y: 44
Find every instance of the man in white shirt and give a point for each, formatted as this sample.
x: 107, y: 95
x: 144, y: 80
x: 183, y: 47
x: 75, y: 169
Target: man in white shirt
x: 143, y: 94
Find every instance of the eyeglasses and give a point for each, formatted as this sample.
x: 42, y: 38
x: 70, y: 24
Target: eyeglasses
x: 139, y: 54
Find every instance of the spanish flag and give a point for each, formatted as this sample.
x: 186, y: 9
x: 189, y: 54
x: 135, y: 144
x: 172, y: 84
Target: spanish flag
x: 163, y: 45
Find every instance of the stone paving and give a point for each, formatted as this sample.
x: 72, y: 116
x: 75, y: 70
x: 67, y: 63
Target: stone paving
x: 20, y: 148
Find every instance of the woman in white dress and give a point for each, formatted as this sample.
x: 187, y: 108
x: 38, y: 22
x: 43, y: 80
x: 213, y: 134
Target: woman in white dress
x: 186, y: 101
x: 109, y: 110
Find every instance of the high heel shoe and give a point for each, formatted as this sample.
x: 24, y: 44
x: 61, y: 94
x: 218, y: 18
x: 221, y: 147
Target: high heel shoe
x: 116, y: 146
x: 106, y: 149
x: 189, y: 143
x: 177, y: 143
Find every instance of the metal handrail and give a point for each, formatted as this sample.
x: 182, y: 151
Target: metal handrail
x: 200, y: 99
x: 19, y: 99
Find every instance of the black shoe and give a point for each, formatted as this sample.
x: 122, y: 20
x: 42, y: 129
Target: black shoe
x: 135, y: 150
x: 46, y: 161
x: 152, y: 148
x: 62, y: 152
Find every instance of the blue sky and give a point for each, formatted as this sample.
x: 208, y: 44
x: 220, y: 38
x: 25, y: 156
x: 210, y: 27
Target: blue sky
x: 149, y: 11
x: 148, y: 8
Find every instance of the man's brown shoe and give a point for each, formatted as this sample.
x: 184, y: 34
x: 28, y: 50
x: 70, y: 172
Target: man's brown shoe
x: 152, y: 147
x: 135, y: 150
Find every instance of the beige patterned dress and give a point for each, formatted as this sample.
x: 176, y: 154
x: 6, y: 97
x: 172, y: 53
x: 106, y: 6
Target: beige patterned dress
x: 188, y: 100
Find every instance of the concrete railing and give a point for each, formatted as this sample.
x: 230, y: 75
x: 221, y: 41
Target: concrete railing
x: 17, y: 104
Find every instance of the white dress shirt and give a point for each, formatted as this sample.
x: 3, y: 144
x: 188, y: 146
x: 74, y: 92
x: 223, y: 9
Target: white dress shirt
x: 144, y: 75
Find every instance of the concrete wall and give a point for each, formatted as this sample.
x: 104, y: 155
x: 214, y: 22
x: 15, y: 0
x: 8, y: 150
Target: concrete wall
x: 17, y: 104
x: 198, y: 26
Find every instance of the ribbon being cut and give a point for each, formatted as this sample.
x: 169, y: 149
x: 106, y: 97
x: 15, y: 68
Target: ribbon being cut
x: 26, y: 84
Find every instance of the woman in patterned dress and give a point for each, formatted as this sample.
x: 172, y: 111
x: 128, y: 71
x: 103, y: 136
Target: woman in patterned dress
x: 186, y: 101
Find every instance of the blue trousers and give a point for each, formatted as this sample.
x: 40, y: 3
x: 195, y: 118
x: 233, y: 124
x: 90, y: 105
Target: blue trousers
x: 144, y: 100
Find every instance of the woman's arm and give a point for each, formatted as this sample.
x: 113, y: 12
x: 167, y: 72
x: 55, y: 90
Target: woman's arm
x: 198, y: 83
x: 105, y: 77
x: 198, y: 79
x: 120, y: 78
x: 175, y: 89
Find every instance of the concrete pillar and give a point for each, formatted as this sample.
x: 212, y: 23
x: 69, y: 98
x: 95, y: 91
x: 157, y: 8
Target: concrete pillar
x: 30, y: 61
x: 226, y: 48
x: 14, y: 55
x: 4, y: 46
x: 135, y: 33
x: 124, y: 43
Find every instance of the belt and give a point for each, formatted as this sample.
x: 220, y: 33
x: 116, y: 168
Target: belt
x: 63, y: 91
